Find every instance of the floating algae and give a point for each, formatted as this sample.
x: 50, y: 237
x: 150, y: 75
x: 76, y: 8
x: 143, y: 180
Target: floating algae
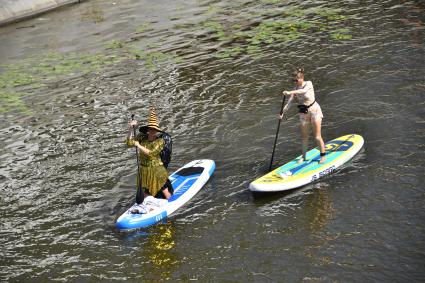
x: 12, y: 101
x: 216, y: 29
x: 270, y: 1
x: 143, y: 28
x: 231, y: 34
x: 330, y: 14
x: 95, y: 15
x: 230, y: 52
x: 341, y: 34
x: 270, y: 27
x: 115, y: 44
x: 14, y: 78
x: 37, y: 71
x: 34, y: 72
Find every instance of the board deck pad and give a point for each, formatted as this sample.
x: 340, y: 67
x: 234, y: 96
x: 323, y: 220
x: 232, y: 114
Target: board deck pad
x: 186, y: 181
x: 294, y: 174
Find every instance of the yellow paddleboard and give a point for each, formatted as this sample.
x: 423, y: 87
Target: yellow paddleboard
x: 293, y: 174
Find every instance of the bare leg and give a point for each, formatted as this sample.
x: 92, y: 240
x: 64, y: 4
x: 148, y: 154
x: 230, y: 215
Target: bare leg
x: 317, y: 132
x: 166, y: 193
x: 304, y: 140
x: 135, y: 210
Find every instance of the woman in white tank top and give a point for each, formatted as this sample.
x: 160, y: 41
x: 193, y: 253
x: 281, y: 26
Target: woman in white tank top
x: 310, y: 112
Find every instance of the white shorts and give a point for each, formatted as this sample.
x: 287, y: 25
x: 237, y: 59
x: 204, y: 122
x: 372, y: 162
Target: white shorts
x: 314, y: 113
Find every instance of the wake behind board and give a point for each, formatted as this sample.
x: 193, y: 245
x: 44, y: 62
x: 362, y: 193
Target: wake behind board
x: 293, y: 174
x: 187, y: 181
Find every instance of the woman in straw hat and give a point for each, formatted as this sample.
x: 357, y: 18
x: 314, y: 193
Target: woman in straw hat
x: 152, y: 171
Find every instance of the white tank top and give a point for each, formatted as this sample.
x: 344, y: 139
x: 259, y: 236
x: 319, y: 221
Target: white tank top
x: 305, y: 94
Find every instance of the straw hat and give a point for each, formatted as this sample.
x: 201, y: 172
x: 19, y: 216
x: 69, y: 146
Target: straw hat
x: 153, y: 121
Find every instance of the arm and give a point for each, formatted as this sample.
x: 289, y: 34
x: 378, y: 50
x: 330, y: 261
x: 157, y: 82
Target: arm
x: 303, y: 90
x: 132, y: 138
x: 287, y: 106
x: 158, y: 146
x: 142, y: 148
x: 130, y: 135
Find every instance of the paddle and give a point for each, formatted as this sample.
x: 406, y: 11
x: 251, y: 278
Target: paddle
x: 139, y: 195
x: 277, y: 133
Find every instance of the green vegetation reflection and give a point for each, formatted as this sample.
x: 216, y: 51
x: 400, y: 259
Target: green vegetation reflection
x: 35, y: 72
x: 276, y: 26
x: 246, y: 33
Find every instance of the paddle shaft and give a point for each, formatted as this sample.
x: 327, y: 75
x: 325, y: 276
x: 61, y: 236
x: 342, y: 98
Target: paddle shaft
x: 277, y: 133
x: 139, y: 195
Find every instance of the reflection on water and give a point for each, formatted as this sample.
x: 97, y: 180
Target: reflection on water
x: 319, y: 208
x: 159, y: 248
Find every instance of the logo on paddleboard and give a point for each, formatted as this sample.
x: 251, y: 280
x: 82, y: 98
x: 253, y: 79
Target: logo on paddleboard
x: 338, y: 146
x: 323, y: 173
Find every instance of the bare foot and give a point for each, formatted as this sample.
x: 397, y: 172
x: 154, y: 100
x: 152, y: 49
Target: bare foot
x: 301, y: 160
x: 322, y: 160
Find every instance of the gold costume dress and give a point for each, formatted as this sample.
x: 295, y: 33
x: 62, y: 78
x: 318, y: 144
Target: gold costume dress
x: 154, y: 174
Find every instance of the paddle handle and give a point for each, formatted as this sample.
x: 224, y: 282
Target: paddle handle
x: 277, y: 133
x: 139, y: 194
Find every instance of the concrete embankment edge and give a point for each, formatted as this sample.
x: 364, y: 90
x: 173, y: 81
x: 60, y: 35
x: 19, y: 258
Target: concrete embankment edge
x: 16, y: 10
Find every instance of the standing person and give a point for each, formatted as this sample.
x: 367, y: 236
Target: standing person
x: 152, y: 171
x: 309, y: 110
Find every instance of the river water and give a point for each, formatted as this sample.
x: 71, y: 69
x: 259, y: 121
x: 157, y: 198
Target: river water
x: 213, y: 71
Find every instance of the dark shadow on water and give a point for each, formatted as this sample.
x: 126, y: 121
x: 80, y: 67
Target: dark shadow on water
x: 262, y: 198
x: 265, y: 196
x: 141, y: 233
x: 133, y: 235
